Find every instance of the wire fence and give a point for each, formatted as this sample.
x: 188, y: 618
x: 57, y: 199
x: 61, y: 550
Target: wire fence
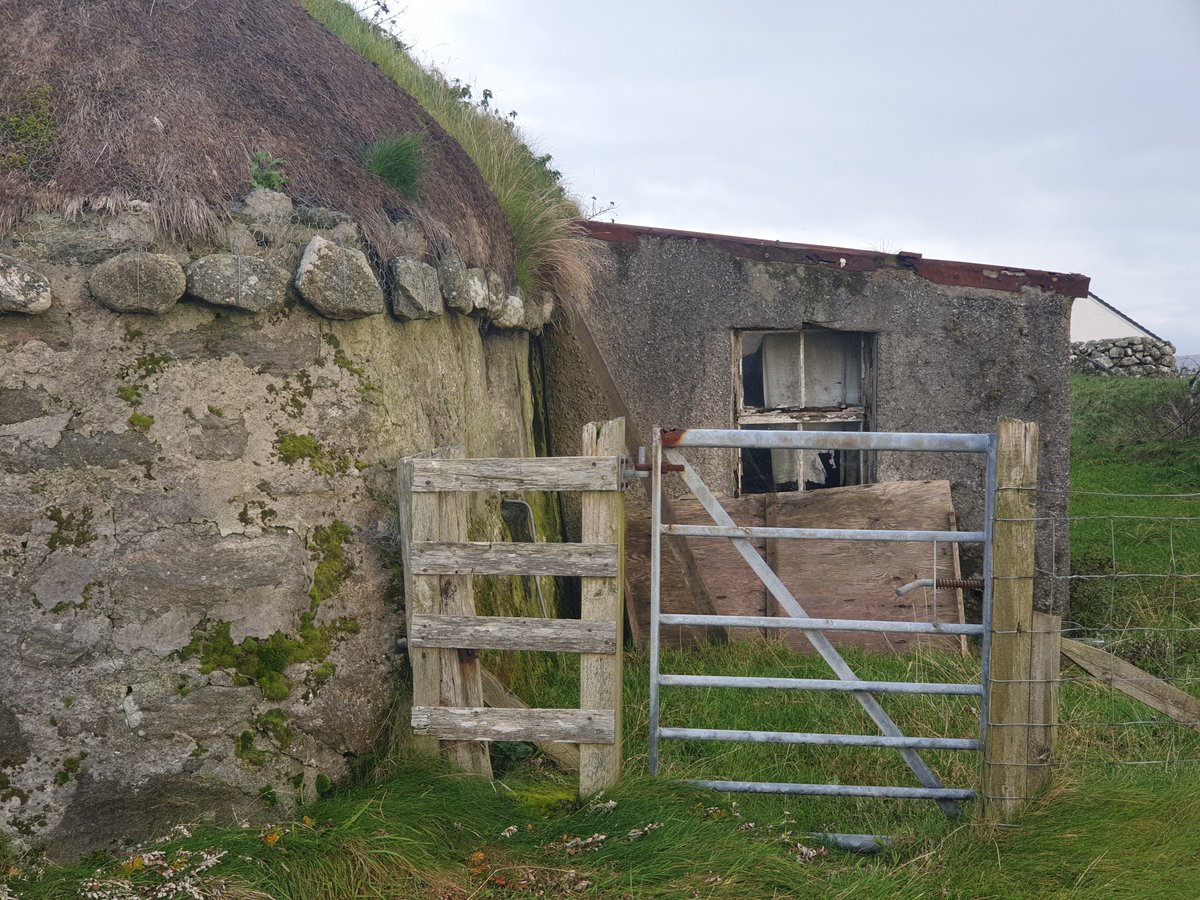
x: 1128, y: 686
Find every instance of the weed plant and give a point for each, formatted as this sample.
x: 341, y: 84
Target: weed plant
x: 266, y: 171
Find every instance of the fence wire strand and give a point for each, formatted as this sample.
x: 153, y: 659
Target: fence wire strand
x: 1134, y: 593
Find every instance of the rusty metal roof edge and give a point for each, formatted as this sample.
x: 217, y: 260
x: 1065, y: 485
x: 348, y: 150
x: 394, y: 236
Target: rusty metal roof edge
x: 938, y: 271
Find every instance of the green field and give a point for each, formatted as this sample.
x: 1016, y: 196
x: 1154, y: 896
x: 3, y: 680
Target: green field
x: 407, y: 826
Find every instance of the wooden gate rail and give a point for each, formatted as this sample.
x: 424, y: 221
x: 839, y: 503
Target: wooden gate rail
x: 444, y: 631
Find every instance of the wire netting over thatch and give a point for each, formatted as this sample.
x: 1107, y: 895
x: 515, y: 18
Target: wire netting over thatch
x: 106, y: 101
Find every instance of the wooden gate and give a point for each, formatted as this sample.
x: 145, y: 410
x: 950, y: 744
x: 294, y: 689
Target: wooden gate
x: 445, y: 634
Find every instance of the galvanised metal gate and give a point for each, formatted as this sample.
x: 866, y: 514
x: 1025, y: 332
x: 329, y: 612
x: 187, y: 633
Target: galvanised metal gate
x: 666, y: 452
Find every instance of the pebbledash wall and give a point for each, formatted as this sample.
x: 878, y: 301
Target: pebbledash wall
x: 954, y: 346
x: 198, y: 593
x: 1131, y: 357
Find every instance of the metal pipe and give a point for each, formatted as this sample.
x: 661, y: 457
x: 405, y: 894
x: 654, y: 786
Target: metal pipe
x: 831, y: 740
x: 655, y: 591
x: 822, y: 684
x: 822, y: 534
x: 974, y: 584
x: 881, y: 625
x: 827, y: 440
x: 855, y: 843
x: 836, y: 790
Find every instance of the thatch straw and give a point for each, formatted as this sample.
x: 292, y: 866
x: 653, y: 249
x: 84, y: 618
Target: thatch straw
x: 165, y: 100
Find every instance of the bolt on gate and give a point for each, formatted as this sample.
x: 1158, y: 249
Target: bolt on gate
x: 667, y: 447
x: 445, y: 634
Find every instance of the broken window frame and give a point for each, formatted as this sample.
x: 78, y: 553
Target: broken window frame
x: 833, y: 418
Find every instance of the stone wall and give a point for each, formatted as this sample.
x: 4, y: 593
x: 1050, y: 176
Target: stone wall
x: 199, y: 596
x: 1132, y: 357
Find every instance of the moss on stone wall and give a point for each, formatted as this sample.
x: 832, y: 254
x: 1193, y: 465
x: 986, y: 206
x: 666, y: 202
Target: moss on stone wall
x: 70, y: 530
x: 264, y: 661
x: 292, y: 448
x: 326, y: 547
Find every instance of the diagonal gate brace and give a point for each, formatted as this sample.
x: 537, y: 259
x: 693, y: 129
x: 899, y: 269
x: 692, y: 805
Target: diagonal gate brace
x: 818, y: 640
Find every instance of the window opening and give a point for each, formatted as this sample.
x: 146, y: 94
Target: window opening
x: 811, y: 379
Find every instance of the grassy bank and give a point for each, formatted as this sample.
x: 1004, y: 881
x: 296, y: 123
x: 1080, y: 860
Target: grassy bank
x: 417, y: 829
x: 424, y: 831
x: 1139, y: 555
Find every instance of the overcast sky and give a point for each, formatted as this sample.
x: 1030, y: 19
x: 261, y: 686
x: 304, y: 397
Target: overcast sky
x: 1038, y: 133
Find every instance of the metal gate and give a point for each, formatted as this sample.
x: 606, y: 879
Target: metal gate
x: 666, y: 453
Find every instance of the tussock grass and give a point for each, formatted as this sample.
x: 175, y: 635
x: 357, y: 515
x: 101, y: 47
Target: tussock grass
x: 399, y: 161
x: 552, y: 251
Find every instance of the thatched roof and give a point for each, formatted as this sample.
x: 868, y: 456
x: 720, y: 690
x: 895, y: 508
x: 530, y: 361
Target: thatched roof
x: 106, y: 101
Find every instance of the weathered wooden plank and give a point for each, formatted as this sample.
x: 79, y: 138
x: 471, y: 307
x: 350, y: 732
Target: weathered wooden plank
x: 483, y: 724
x: 600, y: 601
x: 1006, y: 783
x: 506, y: 633
x: 561, y: 473
x: 1045, y: 656
x: 488, y: 558
x: 418, y: 521
x: 1136, y: 683
x: 497, y: 696
x: 461, y: 685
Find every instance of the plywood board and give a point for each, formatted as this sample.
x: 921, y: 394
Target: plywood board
x: 734, y: 588
x: 858, y: 579
x: 836, y: 579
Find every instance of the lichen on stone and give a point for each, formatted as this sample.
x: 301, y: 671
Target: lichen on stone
x: 264, y: 661
x: 69, y: 767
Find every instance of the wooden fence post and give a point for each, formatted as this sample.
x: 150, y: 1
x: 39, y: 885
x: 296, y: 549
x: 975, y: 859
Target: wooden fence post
x: 461, y: 683
x: 441, y: 677
x: 1008, y: 767
x: 600, y: 674
x: 1045, y: 662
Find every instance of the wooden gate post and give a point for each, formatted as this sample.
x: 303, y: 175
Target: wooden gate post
x: 600, y: 674
x: 418, y: 521
x: 1009, y: 776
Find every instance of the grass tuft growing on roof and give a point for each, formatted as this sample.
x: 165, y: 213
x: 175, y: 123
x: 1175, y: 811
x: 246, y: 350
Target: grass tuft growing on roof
x: 552, y: 251
x: 399, y: 160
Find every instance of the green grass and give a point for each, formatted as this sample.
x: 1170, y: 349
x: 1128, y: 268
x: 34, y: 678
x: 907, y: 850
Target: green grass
x: 551, y: 252
x: 399, y: 160
x: 413, y: 828
x: 1139, y: 555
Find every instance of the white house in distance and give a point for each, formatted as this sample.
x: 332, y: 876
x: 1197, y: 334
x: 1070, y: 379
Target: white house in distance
x: 1094, y: 320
